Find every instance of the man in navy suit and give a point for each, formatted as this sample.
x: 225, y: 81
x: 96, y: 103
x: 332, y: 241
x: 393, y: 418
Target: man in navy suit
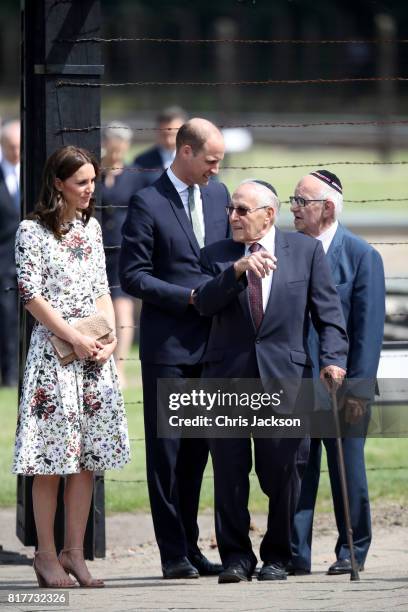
x: 9, y: 220
x: 165, y: 228
x: 358, y: 272
x: 161, y: 155
x: 259, y: 330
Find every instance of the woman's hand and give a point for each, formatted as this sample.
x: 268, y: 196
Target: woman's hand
x: 85, y: 347
x: 105, y: 352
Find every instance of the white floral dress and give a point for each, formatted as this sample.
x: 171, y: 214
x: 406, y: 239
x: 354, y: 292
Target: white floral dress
x: 72, y: 417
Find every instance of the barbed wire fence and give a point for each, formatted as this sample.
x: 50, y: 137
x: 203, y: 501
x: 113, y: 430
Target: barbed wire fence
x: 255, y: 126
x: 67, y: 83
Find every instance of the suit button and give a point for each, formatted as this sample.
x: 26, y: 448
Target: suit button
x: 258, y: 340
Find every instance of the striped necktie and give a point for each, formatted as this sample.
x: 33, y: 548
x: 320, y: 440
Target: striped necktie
x: 255, y: 291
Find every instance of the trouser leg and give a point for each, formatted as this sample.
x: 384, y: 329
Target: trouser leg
x: 174, y: 471
x: 280, y: 464
x: 303, y: 521
x: 232, y: 461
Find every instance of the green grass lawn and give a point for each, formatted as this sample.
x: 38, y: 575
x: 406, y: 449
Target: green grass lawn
x: 126, y: 489
x: 359, y: 182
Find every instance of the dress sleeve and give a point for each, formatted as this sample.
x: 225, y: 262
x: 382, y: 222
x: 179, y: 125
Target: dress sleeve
x: 29, y: 260
x: 101, y: 285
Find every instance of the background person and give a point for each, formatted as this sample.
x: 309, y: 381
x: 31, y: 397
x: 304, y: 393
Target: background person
x: 118, y: 186
x: 162, y: 154
x: 166, y: 225
x: 9, y: 220
x: 358, y: 272
x: 71, y: 419
x: 259, y: 327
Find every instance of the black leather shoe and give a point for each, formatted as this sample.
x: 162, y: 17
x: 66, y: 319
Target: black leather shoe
x: 292, y: 570
x: 343, y: 566
x: 204, y: 566
x: 234, y: 573
x: 272, y: 571
x: 179, y: 568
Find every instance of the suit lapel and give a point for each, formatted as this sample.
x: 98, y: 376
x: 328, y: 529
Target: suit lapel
x: 5, y: 196
x: 281, y: 253
x: 210, y: 236
x: 243, y: 295
x: 179, y: 211
x: 335, y: 249
x: 157, y: 161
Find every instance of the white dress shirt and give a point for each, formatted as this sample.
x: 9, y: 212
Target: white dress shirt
x: 167, y: 157
x: 182, y: 190
x: 327, y: 236
x: 268, y: 243
x: 11, y: 176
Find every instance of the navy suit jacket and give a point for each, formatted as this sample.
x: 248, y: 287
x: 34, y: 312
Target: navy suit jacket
x: 149, y: 159
x: 160, y: 263
x: 301, y: 286
x: 9, y: 220
x: 358, y: 273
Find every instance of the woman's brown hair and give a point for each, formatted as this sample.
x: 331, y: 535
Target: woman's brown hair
x: 50, y: 208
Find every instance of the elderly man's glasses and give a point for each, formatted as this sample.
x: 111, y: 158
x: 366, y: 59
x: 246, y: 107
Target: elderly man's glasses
x: 242, y: 211
x: 302, y: 202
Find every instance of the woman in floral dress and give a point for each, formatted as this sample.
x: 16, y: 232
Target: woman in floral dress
x: 71, y: 418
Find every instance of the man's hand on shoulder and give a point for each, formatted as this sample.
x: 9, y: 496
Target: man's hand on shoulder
x: 261, y: 263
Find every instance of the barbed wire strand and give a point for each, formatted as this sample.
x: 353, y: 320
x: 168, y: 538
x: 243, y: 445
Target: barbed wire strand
x: 404, y: 355
x: 400, y: 314
x: 280, y: 167
x: 239, y: 41
x: 369, y: 201
x: 118, y: 246
x: 345, y: 80
x: 252, y: 474
x: 394, y: 314
x: 244, y: 125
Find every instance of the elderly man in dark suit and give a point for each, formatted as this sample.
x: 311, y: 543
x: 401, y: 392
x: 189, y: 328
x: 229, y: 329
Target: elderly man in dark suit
x: 9, y: 220
x: 358, y: 272
x: 159, y: 157
x: 165, y: 228
x: 259, y: 330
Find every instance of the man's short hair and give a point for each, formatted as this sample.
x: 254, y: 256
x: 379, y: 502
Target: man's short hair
x: 170, y: 113
x: 188, y: 135
x: 8, y: 128
x: 117, y: 129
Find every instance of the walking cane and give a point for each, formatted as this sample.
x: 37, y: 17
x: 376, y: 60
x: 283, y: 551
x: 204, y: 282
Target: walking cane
x: 343, y: 482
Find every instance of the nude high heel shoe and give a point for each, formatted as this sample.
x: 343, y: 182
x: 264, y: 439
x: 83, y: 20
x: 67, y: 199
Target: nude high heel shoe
x: 42, y: 583
x: 93, y: 583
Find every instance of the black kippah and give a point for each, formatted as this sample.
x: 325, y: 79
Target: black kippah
x: 267, y: 185
x: 329, y: 178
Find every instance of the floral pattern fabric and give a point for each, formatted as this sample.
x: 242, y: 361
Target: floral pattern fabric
x: 72, y: 417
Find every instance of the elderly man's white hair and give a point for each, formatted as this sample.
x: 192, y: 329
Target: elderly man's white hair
x: 117, y: 129
x: 266, y: 197
x: 328, y: 193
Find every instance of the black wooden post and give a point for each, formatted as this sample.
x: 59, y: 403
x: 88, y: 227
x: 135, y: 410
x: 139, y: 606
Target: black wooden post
x: 49, y: 55
x: 387, y: 90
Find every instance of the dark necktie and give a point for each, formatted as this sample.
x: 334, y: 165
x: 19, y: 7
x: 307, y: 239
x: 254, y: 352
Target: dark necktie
x: 255, y: 291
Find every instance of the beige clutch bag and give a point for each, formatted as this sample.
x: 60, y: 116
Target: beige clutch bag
x: 96, y: 326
